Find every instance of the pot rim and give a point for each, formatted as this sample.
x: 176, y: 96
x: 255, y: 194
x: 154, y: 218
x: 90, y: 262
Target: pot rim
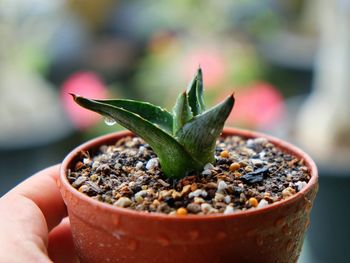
x: 285, y: 146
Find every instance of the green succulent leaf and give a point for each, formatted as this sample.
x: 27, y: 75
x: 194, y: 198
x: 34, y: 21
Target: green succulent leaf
x: 195, y: 94
x: 199, y: 135
x: 181, y: 112
x: 175, y: 161
x: 148, y: 111
x: 184, y: 141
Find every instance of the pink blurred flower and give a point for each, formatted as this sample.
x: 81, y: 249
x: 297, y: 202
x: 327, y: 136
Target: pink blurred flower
x: 260, y: 105
x: 211, y: 61
x: 86, y: 84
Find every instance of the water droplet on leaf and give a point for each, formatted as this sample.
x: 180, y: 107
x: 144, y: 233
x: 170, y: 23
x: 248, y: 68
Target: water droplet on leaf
x: 109, y: 121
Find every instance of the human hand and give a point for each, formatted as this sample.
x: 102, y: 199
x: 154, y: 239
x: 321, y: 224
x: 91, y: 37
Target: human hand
x: 33, y: 223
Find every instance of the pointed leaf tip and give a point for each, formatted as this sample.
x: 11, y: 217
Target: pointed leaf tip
x: 199, y: 135
x: 181, y: 112
x: 73, y: 95
x: 195, y: 94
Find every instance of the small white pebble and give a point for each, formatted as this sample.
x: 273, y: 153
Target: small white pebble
x: 87, y: 161
x: 227, y: 199
x: 250, y: 143
x: 262, y: 154
x: 300, y: 185
x: 228, y: 210
x: 138, y: 198
x: 208, y: 166
x: 117, y: 166
x: 198, y: 200
x: 262, y: 203
x: 141, y: 193
x: 213, y: 211
x: 132, y: 152
x: 142, y: 150
x: 95, y: 165
x: 123, y: 202
x: 152, y: 163
x: 206, y: 207
x: 198, y: 192
x: 221, y: 186
x: 257, y: 162
x: 206, y: 173
x: 219, y: 197
x: 261, y: 141
x: 288, y: 192
x: 138, y: 165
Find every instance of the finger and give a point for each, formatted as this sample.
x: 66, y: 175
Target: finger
x: 27, y: 212
x: 42, y: 189
x: 23, y: 231
x: 61, y: 247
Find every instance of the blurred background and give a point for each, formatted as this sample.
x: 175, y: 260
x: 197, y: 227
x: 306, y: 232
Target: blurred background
x: 287, y: 62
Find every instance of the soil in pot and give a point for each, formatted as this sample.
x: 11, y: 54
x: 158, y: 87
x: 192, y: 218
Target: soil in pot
x: 247, y: 174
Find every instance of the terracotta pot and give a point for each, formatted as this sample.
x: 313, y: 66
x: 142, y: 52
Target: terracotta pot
x: 105, y: 233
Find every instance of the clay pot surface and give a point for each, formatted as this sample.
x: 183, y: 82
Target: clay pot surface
x: 105, y: 233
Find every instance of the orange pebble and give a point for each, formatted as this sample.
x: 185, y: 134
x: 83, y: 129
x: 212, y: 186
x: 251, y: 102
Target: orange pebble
x: 193, y: 187
x: 181, y: 211
x: 225, y: 154
x: 253, y: 202
x: 78, y: 166
x: 234, y: 167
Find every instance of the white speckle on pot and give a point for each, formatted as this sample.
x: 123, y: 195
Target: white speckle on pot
x: 208, y: 166
x: 228, y: 210
x: 152, y: 163
x: 123, y: 202
x: 198, y: 192
x: 138, y: 165
x: 118, y: 234
x: 227, y: 199
x: 221, y: 186
x: 262, y: 203
x: 206, y: 173
x: 300, y: 185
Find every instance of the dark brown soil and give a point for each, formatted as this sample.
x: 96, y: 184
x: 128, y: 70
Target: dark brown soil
x: 247, y: 174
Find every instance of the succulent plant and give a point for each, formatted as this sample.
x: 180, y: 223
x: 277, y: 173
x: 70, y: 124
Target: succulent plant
x: 183, y: 140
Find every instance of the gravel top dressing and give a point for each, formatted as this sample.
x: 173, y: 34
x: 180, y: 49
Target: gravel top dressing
x: 247, y: 174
